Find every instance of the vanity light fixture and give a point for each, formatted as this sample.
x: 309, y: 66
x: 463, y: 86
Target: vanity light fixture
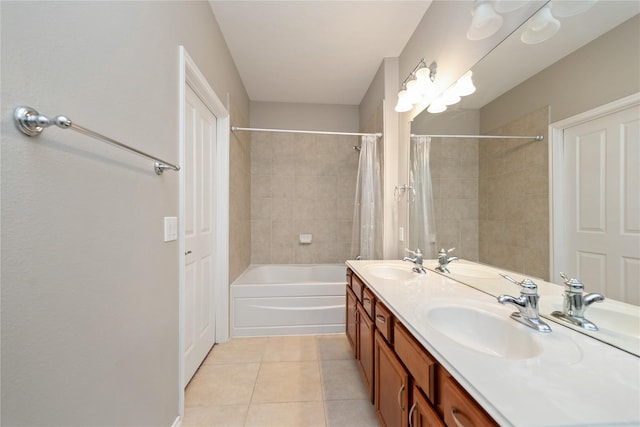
x: 485, y: 22
x: 542, y: 26
x: 464, y: 86
x: 417, y: 84
x: 437, y: 106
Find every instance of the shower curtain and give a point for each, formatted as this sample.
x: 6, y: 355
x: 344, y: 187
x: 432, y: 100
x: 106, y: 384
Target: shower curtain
x: 366, y: 238
x: 422, y: 230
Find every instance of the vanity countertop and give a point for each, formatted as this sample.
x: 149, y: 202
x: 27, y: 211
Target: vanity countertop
x: 563, y: 378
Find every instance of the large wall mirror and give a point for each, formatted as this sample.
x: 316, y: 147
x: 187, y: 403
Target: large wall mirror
x: 491, y: 197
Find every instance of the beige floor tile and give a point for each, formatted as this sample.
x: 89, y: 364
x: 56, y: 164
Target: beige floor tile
x: 352, y: 413
x: 341, y: 380
x: 288, y: 382
x: 291, y: 414
x: 334, y: 347
x: 238, y: 350
x: 215, y: 416
x: 222, y: 385
x: 280, y: 349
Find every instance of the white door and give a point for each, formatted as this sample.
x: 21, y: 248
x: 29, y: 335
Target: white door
x: 601, y: 175
x: 199, y: 233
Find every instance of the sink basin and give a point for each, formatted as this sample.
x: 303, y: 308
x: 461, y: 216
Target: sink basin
x: 390, y: 271
x: 483, y: 331
x: 469, y: 270
x: 607, y: 319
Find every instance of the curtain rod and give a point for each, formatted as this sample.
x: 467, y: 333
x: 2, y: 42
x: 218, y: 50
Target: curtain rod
x: 316, y: 132
x: 535, y: 138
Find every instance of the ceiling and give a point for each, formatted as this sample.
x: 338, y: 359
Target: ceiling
x: 321, y: 52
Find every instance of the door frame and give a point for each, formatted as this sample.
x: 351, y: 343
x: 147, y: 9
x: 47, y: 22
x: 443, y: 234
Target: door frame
x: 189, y: 74
x: 556, y: 182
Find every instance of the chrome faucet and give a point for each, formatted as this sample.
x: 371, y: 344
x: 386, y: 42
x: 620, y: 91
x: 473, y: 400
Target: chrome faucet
x: 527, y: 304
x: 575, y: 303
x: 443, y: 261
x: 418, y: 268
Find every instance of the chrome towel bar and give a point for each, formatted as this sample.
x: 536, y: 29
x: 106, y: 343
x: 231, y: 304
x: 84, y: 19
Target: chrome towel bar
x: 32, y: 123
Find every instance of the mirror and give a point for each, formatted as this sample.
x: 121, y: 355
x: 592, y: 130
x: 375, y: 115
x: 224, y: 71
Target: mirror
x: 491, y: 197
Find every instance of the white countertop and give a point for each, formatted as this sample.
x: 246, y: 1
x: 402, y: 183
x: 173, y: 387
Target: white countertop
x: 573, y: 381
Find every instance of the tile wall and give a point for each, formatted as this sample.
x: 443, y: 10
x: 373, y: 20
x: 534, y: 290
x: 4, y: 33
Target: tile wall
x: 514, y: 193
x: 454, y: 173
x: 301, y: 183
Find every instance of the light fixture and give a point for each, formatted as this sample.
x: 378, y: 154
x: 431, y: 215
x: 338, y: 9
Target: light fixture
x: 450, y: 97
x: 485, y: 22
x: 542, y: 26
x: 437, y: 106
x: 464, y: 86
x: 417, y: 84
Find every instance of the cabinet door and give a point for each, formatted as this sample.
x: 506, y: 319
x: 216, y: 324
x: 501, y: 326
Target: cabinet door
x: 459, y: 409
x: 365, y: 357
x: 390, y: 384
x: 422, y: 413
x: 351, y: 321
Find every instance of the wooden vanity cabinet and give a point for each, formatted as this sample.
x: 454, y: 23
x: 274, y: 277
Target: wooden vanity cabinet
x: 365, y: 347
x: 391, y: 386
x: 351, y: 324
x: 458, y: 408
x: 422, y: 413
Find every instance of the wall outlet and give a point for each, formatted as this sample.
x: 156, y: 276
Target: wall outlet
x: 170, y: 228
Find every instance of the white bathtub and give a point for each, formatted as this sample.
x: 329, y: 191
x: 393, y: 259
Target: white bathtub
x: 288, y: 299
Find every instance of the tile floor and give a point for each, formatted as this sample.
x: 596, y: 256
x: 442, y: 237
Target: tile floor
x: 299, y: 381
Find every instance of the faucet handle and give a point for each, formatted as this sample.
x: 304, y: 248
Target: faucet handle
x: 417, y: 252
x: 572, y: 285
x: 528, y: 286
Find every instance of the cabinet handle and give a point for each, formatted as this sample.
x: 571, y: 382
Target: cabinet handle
x: 400, y: 398
x: 454, y: 411
x: 381, y: 318
x: 367, y: 300
x: 413, y: 408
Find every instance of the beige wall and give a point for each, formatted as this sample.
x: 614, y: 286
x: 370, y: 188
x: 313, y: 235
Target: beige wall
x: 89, y: 289
x: 600, y: 72
x: 302, y: 183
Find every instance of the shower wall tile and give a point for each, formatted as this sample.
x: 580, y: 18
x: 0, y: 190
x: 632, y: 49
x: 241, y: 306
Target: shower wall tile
x: 514, y: 198
x: 302, y: 183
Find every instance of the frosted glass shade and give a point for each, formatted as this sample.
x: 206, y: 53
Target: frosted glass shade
x: 403, y: 107
x: 542, y: 26
x: 437, y: 106
x: 485, y: 21
x: 464, y: 86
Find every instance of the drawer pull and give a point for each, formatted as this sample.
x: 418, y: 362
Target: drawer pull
x: 381, y: 318
x: 400, y: 400
x: 454, y: 411
x: 413, y: 408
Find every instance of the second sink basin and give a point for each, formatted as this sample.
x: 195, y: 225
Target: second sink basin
x: 390, y: 271
x: 483, y: 331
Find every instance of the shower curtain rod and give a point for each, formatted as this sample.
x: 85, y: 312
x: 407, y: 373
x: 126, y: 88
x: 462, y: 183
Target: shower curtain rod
x: 535, y: 138
x: 315, y: 132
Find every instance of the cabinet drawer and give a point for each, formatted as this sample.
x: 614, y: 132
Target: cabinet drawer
x: 460, y: 409
x: 419, y: 363
x: 357, y: 286
x: 368, y: 302
x: 422, y: 413
x: 384, y: 321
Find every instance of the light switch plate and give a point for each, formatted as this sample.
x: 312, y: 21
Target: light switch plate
x: 170, y: 228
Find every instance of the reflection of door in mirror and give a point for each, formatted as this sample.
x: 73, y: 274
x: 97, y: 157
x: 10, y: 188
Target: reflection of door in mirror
x: 599, y: 185
x: 420, y: 196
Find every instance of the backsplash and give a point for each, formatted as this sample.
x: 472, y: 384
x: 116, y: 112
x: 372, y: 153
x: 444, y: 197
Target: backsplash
x: 301, y: 183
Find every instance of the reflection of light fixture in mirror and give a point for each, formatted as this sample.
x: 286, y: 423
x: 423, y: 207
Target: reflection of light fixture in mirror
x: 437, y: 106
x: 508, y: 6
x: 542, y: 26
x: 566, y: 8
x: 485, y: 21
x: 450, y: 97
x: 417, y: 84
x: 464, y: 86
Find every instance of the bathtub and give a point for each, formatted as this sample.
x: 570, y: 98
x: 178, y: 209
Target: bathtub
x: 288, y: 299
